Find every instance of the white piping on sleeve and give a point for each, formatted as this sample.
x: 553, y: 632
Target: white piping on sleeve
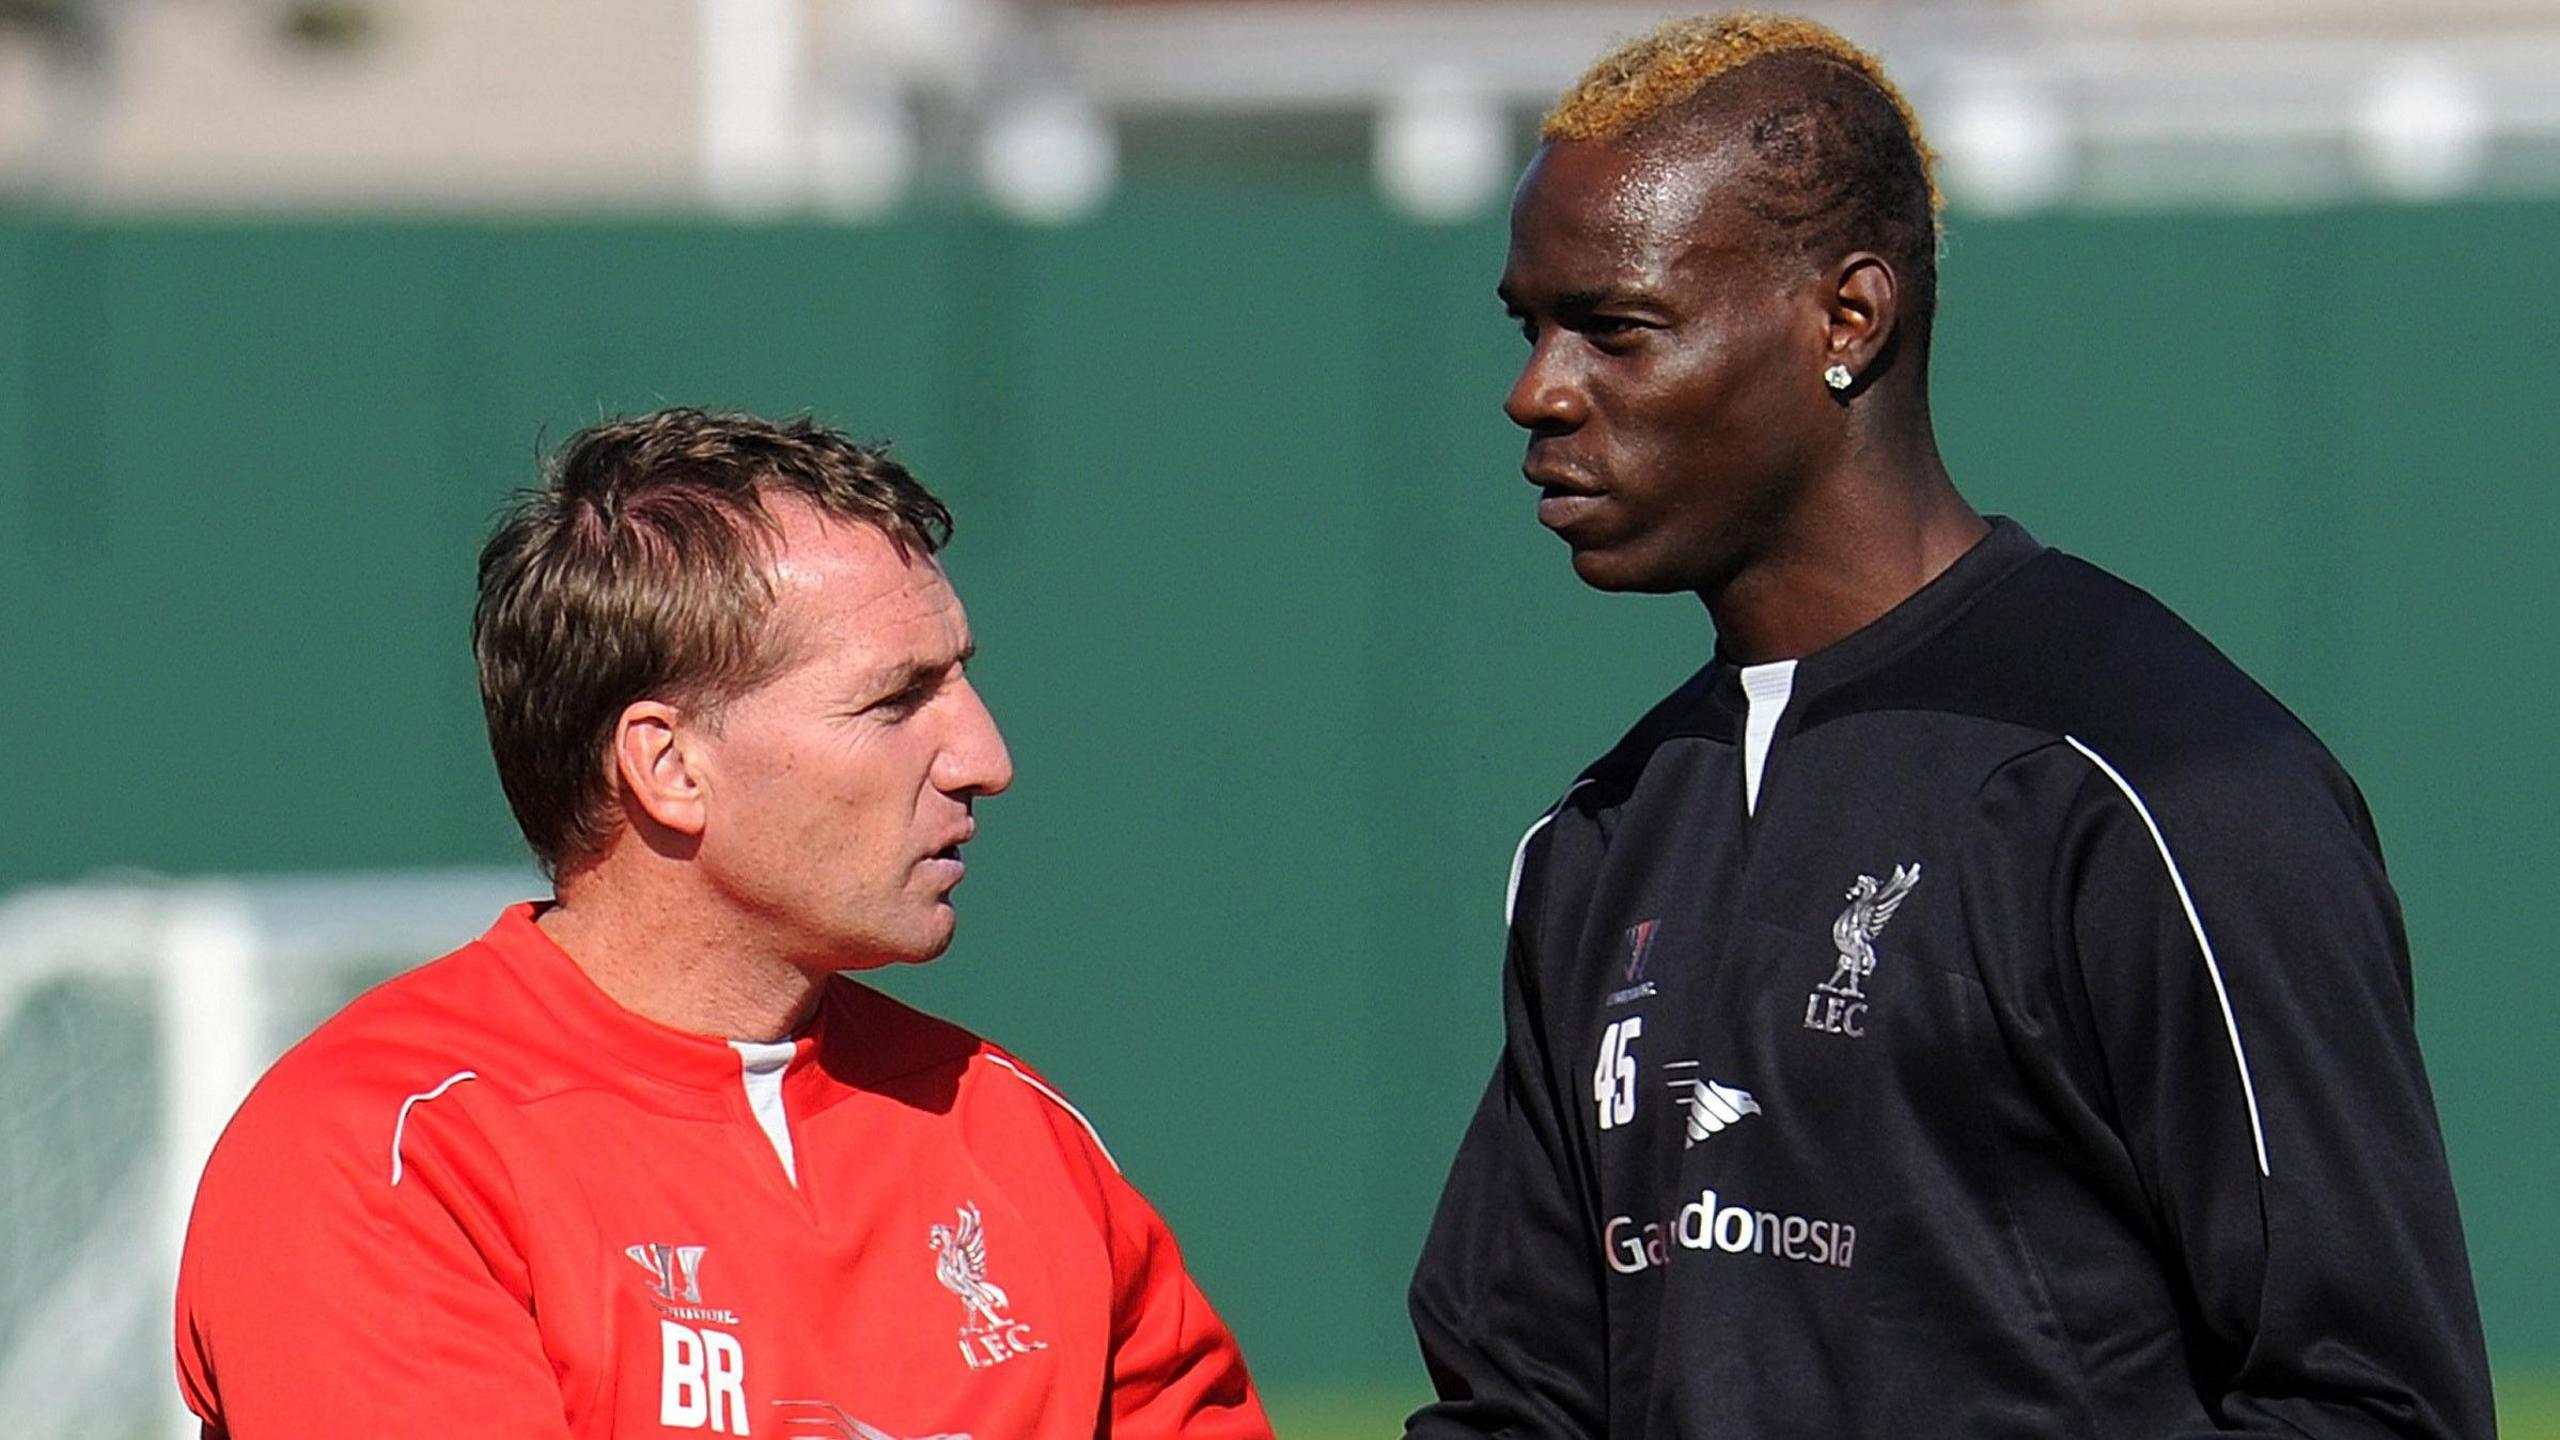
x: 2195, y: 922
x: 402, y: 1124
x: 1027, y: 1078
x: 1520, y: 857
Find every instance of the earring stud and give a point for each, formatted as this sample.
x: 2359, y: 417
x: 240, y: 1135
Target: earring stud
x: 1837, y: 377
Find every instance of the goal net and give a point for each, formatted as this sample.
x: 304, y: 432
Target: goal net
x: 134, y: 1015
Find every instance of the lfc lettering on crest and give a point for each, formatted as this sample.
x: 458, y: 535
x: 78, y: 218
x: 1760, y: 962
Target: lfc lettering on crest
x: 1835, y: 1015
x: 994, y: 1347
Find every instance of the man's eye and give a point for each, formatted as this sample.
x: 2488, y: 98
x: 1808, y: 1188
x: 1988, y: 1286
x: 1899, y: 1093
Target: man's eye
x: 1614, y: 334
x: 901, y: 705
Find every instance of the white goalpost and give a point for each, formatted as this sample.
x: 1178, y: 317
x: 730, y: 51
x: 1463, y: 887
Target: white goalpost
x: 134, y: 1015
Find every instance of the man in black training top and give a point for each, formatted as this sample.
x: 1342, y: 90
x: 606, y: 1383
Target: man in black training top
x: 1969, y: 1007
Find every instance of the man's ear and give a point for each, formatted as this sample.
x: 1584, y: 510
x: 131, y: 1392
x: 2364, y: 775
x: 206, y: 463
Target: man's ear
x: 662, y: 774
x: 1864, y: 305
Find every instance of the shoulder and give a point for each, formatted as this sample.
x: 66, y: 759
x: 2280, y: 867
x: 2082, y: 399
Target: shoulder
x: 2130, y: 721
x: 1685, y: 713
x: 876, y: 1040
x: 403, y: 1044
x: 2060, y: 646
x: 2065, y: 654
x: 1688, y: 713
x: 888, y: 1044
x: 326, y: 1123
x: 2169, y: 722
x: 2110, y: 663
x: 1025, y: 1089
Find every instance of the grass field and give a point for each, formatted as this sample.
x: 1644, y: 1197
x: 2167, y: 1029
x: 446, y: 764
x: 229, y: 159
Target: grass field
x: 2528, y: 1409
x: 1298, y: 1415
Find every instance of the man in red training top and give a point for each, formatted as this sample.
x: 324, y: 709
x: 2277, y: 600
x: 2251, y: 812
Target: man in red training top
x: 638, y: 1161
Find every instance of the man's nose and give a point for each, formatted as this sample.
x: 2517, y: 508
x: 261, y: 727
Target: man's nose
x: 1543, y: 400
x: 974, y: 760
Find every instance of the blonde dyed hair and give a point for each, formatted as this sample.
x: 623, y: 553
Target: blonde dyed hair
x: 1836, y: 162
x: 1646, y: 79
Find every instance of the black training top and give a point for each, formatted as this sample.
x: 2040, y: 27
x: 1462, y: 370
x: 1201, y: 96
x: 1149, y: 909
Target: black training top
x: 2033, y: 1057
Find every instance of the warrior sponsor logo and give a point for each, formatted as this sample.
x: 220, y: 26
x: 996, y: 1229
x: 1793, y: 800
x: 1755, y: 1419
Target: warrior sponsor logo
x: 675, y: 1271
x: 987, y: 1335
x: 1639, y: 951
x: 1838, y: 1006
x: 1707, y: 1223
x: 675, y: 1276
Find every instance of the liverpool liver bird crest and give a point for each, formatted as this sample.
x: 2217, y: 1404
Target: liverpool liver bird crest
x: 960, y: 1263
x: 1853, y: 934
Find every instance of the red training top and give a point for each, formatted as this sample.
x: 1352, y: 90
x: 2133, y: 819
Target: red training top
x: 485, y: 1200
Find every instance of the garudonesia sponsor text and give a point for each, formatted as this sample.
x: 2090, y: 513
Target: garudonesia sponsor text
x: 1707, y: 1223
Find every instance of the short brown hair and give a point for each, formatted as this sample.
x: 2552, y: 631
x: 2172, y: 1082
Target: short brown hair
x: 639, y: 569
x: 1841, y: 163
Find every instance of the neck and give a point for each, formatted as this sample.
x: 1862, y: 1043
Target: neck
x: 1855, y: 548
x: 662, y: 961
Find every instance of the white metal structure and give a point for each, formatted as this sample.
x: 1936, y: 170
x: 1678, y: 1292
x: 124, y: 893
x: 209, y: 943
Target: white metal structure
x: 133, y: 1018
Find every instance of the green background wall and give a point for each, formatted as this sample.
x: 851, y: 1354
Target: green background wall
x: 1285, y: 661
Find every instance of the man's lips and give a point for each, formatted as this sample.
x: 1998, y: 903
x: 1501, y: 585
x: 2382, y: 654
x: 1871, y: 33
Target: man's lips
x: 948, y: 857
x: 1554, y: 478
x: 1564, y: 498
x: 1562, y: 510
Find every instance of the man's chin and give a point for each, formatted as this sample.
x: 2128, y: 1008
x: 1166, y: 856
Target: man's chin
x: 928, y: 943
x: 1618, y: 572
x: 937, y: 940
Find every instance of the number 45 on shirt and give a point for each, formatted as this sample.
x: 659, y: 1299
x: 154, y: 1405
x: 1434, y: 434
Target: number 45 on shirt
x: 1613, y: 1084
